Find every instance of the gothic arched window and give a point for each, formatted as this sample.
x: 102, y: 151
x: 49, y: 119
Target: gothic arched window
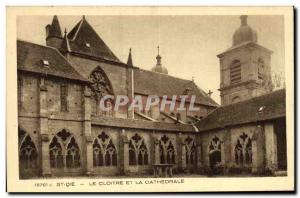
x: 64, y: 151
x: 104, y: 151
x: 138, y: 152
x: 235, y: 72
x: 214, y: 151
x: 243, y: 150
x: 27, y: 153
x: 97, y: 154
x: 166, y: 150
x: 73, y: 155
x: 56, y: 154
x: 100, y: 86
x: 190, y: 151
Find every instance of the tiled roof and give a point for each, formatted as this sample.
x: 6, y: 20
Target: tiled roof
x: 30, y: 58
x: 153, y: 83
x: 55, y: 28
x: 265, y: 107
x: 142, y: 124
x: 82, y: 35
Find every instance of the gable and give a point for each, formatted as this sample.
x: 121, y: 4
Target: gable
x: 84, y: 40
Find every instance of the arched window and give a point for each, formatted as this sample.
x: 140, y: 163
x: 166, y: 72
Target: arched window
x: 27, y: 153
x: 104, y: 151
x: 214, y: 152
x: 73, y: 156
x: 190, y: 151
x: 260, y: 68
x: 138, y: 152
x: 101, y: 86
x: 243, y: 150
x: 64, y: 151
x: 235, y: 72
x: 97, y: 154
x: 166, y: 150
x: 56, y: 154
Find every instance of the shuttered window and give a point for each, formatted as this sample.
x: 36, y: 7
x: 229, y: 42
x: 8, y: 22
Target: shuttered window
x: 235, y: 72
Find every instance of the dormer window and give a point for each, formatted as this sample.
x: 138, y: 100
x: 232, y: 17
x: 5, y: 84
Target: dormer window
x: 88, y: 45
x: 45, y: 63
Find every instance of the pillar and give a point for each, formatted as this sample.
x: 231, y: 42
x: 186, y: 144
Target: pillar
x: 124, y: 153
x: 43, y: 122
x: 87, y: 146
x: 258, y: 143
x: 181, y: 153
x: 271, y: 146
x: 223, y: 156
x: 156, y: 151
x: 198, y: 153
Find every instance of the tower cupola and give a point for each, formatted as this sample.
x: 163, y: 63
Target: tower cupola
x: 158, y: 67
x: 244, y: 33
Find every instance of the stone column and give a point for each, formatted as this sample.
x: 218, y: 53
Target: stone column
x: 271, y: 146
x: 87, y: 146
x: 156, y: 151
x: 183, y: 157
x: 198, y: 156
x: 223, y: 156
x: 181, y: 151
x: 43, y: 121
x: 124, y: 153
x: 227, y: 145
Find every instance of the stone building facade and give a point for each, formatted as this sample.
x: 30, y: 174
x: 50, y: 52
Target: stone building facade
x: 63, y: 132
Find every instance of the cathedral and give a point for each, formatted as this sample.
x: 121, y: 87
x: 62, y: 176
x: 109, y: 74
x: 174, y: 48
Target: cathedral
x: 63, y: 132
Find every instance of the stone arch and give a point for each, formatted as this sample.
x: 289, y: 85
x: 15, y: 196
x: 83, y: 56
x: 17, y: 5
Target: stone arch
x: 101, y: 86
x: 64, y: 150
x: 28, y: 152
x: 215, y: 151
x: 104, y: 151
x: 167, y: 150
x: 190, y: 151
x: 138, y: 151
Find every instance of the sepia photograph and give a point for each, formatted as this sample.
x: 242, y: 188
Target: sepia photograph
x: 154, y: 98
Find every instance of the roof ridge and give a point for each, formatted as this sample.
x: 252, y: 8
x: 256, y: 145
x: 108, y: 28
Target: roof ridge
x: 78, y: 28
x: 167, y: 75
x: 59, y: 53
x: 38, y: 44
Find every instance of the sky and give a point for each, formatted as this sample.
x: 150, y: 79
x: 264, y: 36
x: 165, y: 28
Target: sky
x: 188, y: 44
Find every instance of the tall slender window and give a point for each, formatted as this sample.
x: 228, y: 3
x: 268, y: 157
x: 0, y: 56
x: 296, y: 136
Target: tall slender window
x: 235, y: 72
x: 64, y: 97
x: 261, y: 67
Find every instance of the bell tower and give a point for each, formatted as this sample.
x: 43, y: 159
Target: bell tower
x: 245, y: 67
